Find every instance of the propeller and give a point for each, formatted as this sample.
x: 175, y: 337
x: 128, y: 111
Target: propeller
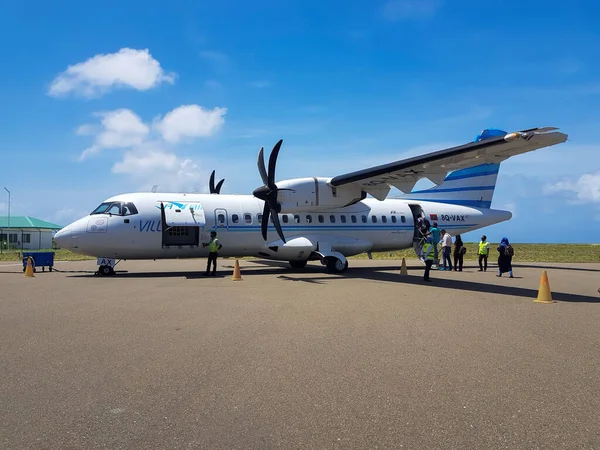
x: 213, y: 189
x: 268, y: 192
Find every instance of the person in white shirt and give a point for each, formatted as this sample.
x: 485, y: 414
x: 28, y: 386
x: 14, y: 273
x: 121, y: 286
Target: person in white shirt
x: 446, y: 250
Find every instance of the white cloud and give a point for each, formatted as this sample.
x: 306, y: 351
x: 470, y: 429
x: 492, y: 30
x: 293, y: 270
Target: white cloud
x: 99, y: 74
x: 586, y: 188
x: 149, y: 157
x: 190, y: 121
x: 396, y: 10
x: 151, y: 164
x: 121, y: 128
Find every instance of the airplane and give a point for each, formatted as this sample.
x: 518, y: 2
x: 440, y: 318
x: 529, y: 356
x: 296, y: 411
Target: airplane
x: 298, y: 220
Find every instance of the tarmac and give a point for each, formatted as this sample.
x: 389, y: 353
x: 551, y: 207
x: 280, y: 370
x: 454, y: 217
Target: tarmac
x: 160, y: 356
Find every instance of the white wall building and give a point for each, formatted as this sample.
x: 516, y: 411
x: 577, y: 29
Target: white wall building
x: 26, y: 233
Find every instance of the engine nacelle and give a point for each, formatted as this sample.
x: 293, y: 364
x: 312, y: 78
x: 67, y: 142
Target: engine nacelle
x: 315, y: 194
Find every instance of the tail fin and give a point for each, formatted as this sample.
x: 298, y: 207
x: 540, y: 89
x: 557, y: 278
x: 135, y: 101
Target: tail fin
x: 473, y: 186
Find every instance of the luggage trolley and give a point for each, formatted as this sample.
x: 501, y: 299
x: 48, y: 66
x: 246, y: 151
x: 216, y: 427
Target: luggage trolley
x: 40, y: 259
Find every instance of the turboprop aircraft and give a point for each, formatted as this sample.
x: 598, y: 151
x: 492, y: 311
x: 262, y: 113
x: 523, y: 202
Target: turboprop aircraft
x: 313, y: 218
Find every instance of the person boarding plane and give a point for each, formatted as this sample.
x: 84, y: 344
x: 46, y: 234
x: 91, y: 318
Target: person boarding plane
x: 312, y: 218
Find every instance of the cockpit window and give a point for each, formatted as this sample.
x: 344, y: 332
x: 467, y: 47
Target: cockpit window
x: 116, y: 209
x: 102, y: 208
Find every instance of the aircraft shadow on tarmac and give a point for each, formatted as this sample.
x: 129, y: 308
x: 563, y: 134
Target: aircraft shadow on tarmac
x: 539, y: 266
x: 379, y: 273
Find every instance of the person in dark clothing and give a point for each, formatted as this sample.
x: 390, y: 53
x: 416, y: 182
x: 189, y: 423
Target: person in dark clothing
x: 459, y: 252
x: 505, y: 254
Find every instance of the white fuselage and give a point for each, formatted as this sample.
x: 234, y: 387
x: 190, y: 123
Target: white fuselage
x: 369, y: 225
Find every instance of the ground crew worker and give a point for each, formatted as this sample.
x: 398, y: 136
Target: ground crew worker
x: 213, y: 251
x: 484, y: 250
x: 428, y: 256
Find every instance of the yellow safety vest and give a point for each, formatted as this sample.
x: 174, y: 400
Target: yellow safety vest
x: 484, y: 247
x: 426, y: 247
x: 213, y: 247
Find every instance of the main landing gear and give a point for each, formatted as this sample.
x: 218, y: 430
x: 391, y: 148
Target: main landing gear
x: 333, y: 262
x: 335, y: 265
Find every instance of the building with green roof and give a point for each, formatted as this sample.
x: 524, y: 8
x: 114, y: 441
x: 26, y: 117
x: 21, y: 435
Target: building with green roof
x: 26, y: 233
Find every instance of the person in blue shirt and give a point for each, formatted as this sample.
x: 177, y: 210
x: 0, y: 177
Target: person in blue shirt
x: 435, y: 233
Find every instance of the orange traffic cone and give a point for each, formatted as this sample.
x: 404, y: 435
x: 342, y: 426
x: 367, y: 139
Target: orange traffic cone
x: 237, y: 276
x: 403, y: 270
x: 544, y: 294
x: 29, y: 268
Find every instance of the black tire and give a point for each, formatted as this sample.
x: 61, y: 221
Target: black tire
x: 334, y: 265
x: 105, y: 270
x: 298, y: 264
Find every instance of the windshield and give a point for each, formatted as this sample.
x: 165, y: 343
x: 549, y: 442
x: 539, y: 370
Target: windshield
x: 116, y: 209
x: 102, y: 208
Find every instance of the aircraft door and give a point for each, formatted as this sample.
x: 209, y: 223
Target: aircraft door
x: 417, y: 212
x: 221, y: 219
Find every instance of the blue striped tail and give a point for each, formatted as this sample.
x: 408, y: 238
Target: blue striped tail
x: 473, y: 186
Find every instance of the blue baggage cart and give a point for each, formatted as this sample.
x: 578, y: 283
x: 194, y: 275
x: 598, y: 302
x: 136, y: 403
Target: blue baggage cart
x: 40, y: 259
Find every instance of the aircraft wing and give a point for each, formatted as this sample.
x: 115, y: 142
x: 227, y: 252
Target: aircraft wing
x: 491, y: 146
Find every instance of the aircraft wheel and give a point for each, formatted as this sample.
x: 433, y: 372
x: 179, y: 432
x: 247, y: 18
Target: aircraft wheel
x: 335, y: 265
x: 105, y: 270
x: 298, y: 264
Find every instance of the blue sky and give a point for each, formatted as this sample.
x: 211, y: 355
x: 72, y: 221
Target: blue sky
x: 100, y: 99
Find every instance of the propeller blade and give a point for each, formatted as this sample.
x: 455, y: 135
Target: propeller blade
x: 211, y: 183
x: 218, y: 188
x: 265, y: 221
x: 261, y: 167
x: 272, y: 163
x: 277, y: 224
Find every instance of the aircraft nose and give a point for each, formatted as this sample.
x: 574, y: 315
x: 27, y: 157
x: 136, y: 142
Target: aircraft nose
x: 63, y: 237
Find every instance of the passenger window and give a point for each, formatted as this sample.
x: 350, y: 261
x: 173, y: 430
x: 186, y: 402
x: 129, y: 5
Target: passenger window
x: 259, y: 218
x: 332, y: 218
x: 321, y: 218
x: 374, y: 219
x: 384, y: 219
x: 343, y: 218
x: 248, y: 218
x: 353, y: 218
x: 221, y: 218
x: 394, y: 219
x: 308, y: 218
x: 285, y: 218
x: 364, y: 219
x: 235, y: 218
x: 296, y: 218
x: 403, y: 219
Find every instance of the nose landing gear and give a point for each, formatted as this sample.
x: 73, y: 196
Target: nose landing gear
x: 105, y: 270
